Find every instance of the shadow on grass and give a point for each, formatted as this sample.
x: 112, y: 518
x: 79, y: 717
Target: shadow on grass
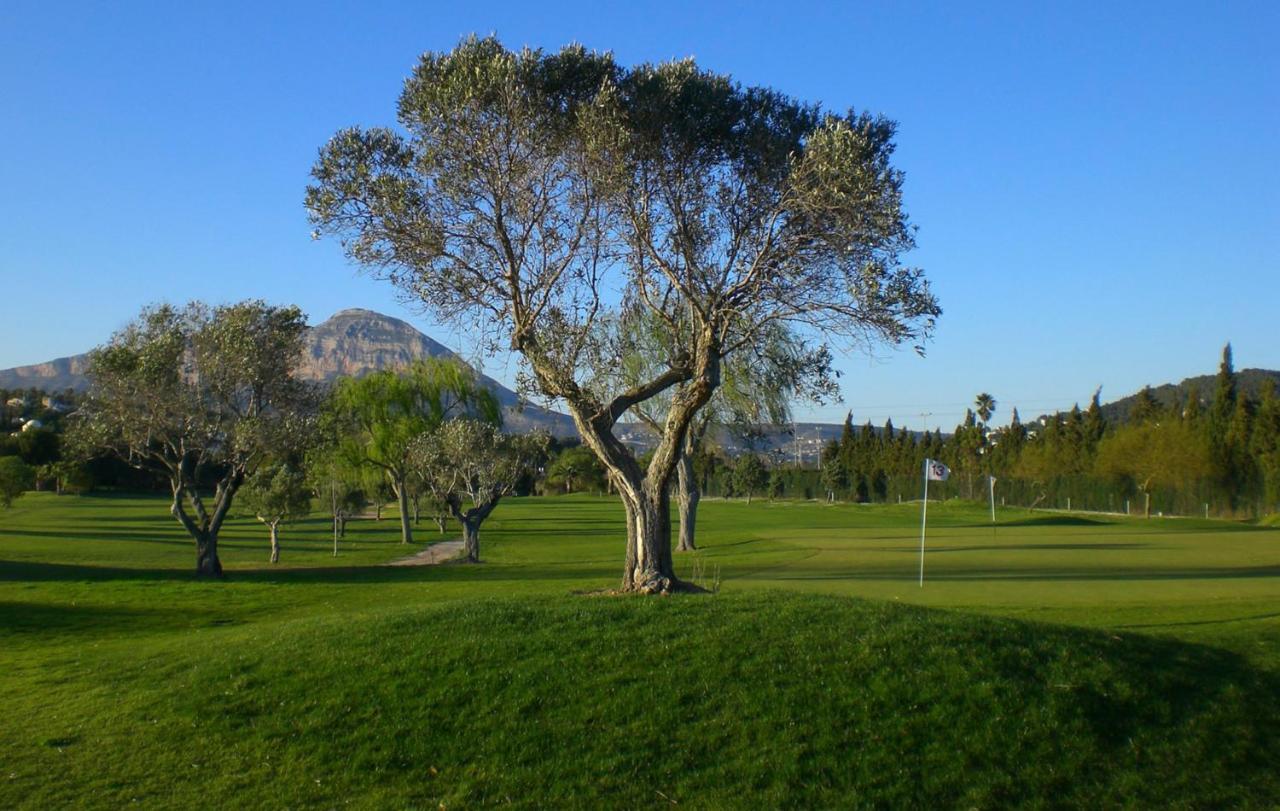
x: 1053, y: 521
x: 101, y: 535
x: 28, y: 619
x: 1067, y: 547
x: 35, y: 572
x: 784, y: 573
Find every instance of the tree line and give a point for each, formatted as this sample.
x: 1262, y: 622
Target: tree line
x: 1215, y: 451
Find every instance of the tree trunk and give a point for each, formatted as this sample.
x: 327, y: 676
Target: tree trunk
x: 441, y: 521
x: 689, y: 496
x: 336, y: 533
x: 377, y: 510
x: 650, y: 569
x: 402, y: 498
x: 207, y: 563
x: 471, y: 539
x: 416, y: 512
x: 342, y: 527
x: 275, y: 541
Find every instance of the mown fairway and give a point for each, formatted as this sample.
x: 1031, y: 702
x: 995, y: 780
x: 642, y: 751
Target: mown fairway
x: 1150, y: 673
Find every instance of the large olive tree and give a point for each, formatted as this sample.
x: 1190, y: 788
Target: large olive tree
x: 533, y: 192
x: 202, y: 395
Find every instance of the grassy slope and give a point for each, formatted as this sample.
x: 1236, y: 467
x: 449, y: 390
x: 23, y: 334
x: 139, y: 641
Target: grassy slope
x: 308, y: 685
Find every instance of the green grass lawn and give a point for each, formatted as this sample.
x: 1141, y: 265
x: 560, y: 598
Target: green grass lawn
x: 1057, y: 660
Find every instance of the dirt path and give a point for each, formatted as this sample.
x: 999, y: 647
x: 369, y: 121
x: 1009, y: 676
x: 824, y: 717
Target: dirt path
x: 435, y: 553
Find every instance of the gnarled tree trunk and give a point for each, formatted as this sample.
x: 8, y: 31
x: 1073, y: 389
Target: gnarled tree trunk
x: 471, y: 540
x: 200, y: 524
x: 275, y: 541
x: 650, y: 569
x: 207, y: 563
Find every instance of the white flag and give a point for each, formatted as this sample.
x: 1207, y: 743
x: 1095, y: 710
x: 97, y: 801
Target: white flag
x: 937, y: 471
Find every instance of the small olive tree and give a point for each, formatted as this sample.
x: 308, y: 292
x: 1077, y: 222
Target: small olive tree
x: 275, y: 494
x: 16, y: 477
x: 470, y: 466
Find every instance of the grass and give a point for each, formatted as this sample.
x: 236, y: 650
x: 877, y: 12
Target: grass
x: 1058, y: 660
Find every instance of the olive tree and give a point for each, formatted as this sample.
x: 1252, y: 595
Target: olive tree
x: 199, y: 393
x: 275, y: 494
x: 16, y: 477
x: 470, y: 466
x: 379, y: 416
x: 532, y: 193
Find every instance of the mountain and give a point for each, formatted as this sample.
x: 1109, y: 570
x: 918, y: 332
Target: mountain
x: 352, y: 343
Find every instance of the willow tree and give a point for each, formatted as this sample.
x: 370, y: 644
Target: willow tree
x: 379, y: 416
x: 200, y: 394
x: 530, y: 192
x: 758, y: 385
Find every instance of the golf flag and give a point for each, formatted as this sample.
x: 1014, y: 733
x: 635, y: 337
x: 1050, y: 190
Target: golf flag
x: 934, y: 471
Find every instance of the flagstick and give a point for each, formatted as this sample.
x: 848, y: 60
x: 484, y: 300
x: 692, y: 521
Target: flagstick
x: 924, y: 513
x: 991, y: 480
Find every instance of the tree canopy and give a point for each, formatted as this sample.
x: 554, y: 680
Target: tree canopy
x: 538, y: 192
x: 196, y: 391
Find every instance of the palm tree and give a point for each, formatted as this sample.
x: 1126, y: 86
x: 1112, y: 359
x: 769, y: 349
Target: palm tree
x: 986, y: 406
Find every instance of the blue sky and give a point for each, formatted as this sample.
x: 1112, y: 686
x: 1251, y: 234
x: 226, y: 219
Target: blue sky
x: 1097, y: 185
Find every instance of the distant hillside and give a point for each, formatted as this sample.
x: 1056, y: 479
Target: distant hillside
x: 1250, y: 381
x: 352, y: 343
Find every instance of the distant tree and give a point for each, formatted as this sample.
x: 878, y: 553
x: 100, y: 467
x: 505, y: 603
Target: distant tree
x: 835, y: 477
x: 199, y: 391
x: 381, y: 414
x: 16, y: 477
x: 470, y: 466
x: 1145, y: 406
x: 336, y: 483
x: 777, y: 482
x: 985, y: 405
x: 757, y: 388
x: 1165, y: 454
x: 575, y: 469
x: 749, y: 475
x: 275, y: 494
x: 1265, y: 446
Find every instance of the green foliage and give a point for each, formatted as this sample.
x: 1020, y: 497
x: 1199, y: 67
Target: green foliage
x: 749, y: 475
x: 575, y: 470
x: 276, y: 493
x: 378, y: 417
x: 16, y: 477
x: 381, y: 414
x: 199, y: 390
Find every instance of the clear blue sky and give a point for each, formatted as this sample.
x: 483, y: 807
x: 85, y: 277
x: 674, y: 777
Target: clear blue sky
x: 1097, y: 185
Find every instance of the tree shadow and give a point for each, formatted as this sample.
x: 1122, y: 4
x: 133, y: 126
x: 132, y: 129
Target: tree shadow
x: 1052, y: 521
x: 28, y: 619
x: 1084, y: 547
